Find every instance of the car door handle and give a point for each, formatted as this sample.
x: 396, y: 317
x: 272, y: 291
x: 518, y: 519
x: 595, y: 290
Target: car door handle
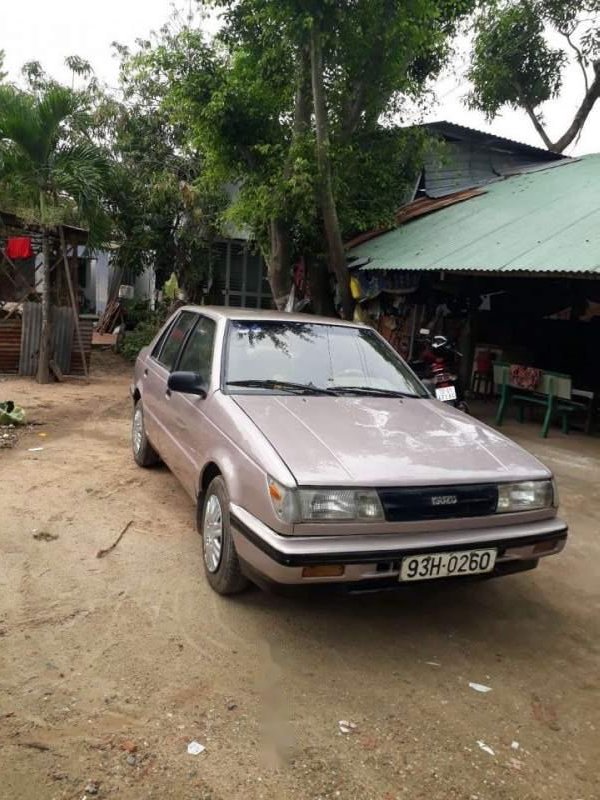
x: 145, y: 372
x: 168, y: 393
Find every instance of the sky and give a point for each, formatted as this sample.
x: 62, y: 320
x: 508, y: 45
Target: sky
x: 50, y: 30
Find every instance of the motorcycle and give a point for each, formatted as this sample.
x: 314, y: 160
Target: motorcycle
x: 437, y: 368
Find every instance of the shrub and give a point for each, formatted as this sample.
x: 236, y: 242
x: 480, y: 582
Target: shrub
x: 139, y: 337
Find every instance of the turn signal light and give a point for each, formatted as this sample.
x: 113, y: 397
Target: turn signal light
x: 275, y: 492
x: 543, y: 547
x: 323, y: 571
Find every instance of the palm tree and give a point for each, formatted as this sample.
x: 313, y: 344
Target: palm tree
x: 52, y: 169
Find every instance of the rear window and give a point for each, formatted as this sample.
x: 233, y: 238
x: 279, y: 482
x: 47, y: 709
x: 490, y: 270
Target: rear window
x: 167, y: 351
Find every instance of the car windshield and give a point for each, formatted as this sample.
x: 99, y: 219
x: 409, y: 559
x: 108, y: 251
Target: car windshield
x: 285, y: 357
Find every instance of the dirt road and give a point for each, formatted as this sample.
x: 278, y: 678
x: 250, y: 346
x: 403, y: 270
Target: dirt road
x: 110, y: 667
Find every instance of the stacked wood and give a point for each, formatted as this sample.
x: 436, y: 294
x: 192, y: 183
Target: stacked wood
x: 110, y: 318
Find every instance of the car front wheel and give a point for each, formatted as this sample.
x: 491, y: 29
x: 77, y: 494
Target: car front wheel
x: 221, y: 563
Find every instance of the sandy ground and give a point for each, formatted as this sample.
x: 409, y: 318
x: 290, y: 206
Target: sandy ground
x: 110, y: 667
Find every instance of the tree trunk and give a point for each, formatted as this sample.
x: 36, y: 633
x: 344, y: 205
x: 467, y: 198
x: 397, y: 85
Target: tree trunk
x: 592, y: 94
x: 279, y: 256
x: 43, y: 373
x: 278, y: 262
x: 335, y: 246
x: 320, y: 287
x: 582, y: 113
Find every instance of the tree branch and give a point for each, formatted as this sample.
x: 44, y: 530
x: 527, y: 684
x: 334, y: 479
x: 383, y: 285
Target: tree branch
x: 579, y: 59
x: 302, y: 102
x: 356, y: 102
x: 353, y: 109
x: 538, y: 125
x: 582, y: 113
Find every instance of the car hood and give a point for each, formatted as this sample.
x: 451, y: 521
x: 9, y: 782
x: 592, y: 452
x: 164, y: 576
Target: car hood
x: 372, y: 441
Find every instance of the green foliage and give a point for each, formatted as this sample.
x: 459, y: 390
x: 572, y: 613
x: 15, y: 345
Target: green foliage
x: 513, y: 62
x: 136, y: 311
x: 577, y: 19
x: 142, y: 325
x: 209, y: 134
x: 139, y: 337
x: 165, y: 212
x: 3, y: 75
x: 387, y: 161
x: 236, y: 99
x: 48, y: 165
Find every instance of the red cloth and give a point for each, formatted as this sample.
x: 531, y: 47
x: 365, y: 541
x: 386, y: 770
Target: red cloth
x: 525, y: 377
x: 19, y: 247
x: 484, y: 362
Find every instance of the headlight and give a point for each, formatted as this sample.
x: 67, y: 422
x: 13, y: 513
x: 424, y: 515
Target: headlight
x: 295, y: 505
x: 524, y: 496
x: 340, y: 504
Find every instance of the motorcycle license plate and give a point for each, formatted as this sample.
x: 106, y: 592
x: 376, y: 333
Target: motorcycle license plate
x: 446, y: 565
x: 445, y: 393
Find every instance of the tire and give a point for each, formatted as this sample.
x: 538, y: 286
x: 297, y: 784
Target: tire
x: 221, y: 563
x: 143, y: 452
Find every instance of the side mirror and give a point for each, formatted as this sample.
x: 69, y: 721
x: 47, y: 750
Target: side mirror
x: 187, y: 382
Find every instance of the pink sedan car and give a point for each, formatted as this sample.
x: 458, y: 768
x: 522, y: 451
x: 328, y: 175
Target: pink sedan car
x: 314, y: 455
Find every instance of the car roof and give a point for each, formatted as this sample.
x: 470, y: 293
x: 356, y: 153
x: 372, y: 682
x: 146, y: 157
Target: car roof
x: 248, y: 314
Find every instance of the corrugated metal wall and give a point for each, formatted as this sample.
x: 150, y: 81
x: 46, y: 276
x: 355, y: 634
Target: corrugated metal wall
x: 30, y: 338
x: 64, y: 347
x: 466, y: 164
x: 62, y: 337
x: 63, y: 327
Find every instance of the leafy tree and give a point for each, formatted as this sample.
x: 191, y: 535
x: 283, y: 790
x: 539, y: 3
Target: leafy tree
x: 52, y: 170
x: 363, y: 59
x: 165, y: 218
x: 515, y: 65
x: 3, y: 75
x: 291, y: 100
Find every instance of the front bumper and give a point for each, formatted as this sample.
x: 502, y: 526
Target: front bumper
x: 374, y: 560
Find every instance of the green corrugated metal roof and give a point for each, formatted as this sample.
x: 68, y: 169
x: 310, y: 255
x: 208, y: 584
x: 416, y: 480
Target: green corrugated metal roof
x: 547, y: 220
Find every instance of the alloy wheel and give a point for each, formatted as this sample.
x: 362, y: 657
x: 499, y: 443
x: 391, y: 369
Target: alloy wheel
x: 212, y: 532
x: 138, y: 429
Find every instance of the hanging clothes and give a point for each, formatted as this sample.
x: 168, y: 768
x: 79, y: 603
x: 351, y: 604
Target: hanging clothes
x: 18, y: 247
x: 525, y: 377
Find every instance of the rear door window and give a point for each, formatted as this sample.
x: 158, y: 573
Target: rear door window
x: 198, y: 352
x: 169, y: 350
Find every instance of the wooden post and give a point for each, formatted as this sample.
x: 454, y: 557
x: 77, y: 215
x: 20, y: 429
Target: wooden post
x: 44, y: 354
x: 73, y: 301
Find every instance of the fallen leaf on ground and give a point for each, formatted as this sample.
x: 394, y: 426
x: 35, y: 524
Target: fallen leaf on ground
x: 45, y: 536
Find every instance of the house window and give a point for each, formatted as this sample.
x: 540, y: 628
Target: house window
x: 240, y: 276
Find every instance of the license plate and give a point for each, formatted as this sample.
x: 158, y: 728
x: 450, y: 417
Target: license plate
x: 445, y: 565
x: 445, y: 393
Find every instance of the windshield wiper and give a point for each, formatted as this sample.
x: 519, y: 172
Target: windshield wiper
x: 373, y: 390
x: 287, y: 386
